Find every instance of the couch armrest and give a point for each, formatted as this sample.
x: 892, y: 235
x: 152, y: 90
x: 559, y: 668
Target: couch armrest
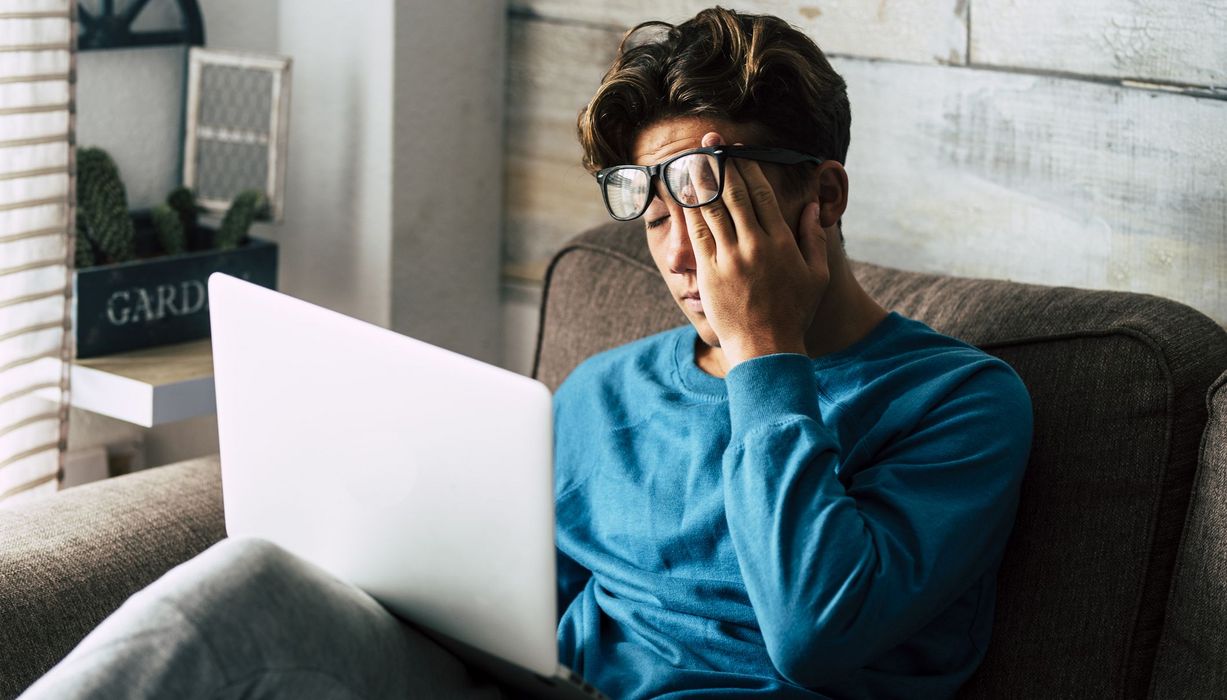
x: 69, y: 560
x: 1194, y: 643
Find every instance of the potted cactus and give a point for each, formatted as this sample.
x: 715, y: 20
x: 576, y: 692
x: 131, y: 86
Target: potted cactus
x: 141, y: 275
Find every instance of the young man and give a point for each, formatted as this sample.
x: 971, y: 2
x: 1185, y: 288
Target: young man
x: 797, y: 494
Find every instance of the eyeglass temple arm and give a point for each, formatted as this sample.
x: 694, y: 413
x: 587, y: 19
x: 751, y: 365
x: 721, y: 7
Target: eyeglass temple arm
x: 782, y: 156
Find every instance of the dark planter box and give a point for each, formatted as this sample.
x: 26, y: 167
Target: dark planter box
x: 159, y: 300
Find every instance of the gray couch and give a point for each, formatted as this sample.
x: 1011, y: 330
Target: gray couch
x: 1114, y: 582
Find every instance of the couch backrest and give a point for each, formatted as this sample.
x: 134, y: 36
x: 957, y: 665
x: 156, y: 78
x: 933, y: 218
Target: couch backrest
x: 1118, y: 384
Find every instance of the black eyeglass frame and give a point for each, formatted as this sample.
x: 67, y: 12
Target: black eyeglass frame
x: 781, y: 156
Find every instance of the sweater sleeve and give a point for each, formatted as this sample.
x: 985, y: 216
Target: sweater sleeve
x: 837, y: 575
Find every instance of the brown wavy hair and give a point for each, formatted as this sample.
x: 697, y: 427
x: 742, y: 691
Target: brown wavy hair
x: 748, y: 69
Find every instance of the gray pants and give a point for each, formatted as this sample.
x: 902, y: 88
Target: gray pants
x: 247, y: 619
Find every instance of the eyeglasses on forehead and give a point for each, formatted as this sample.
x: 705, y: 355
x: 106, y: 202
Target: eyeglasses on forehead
x: 692, y: 178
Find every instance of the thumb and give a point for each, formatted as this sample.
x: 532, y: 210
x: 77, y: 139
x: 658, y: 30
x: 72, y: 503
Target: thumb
x: 812, y: 238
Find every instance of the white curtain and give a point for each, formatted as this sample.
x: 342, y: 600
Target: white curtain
x: 37, y: 60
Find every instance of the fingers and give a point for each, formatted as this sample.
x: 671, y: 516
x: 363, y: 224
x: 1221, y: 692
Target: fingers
x: 755, y: 188
x: 704, y: 180
x: 710, y: 226
x: 702, y: 239
x: 748, y: 199
x: 737, y: 202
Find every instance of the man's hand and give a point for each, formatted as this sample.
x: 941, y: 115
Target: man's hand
x: 760, y: 286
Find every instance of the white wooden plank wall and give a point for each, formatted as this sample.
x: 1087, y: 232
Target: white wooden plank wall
x: 1038, y: 179
x: 1081, y: 144
x: 553, y: 69
x: 1182, y: 42
x: 904, y: 30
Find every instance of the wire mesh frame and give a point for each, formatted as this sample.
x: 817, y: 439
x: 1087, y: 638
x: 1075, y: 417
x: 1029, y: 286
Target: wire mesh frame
x: 275, y: 139
x: 61, y: 389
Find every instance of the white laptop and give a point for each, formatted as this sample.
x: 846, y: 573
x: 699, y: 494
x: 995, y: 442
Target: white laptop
x: 422, y: 476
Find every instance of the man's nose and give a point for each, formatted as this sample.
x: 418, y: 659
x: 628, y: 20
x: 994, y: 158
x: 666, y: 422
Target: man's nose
x: 679, y: 254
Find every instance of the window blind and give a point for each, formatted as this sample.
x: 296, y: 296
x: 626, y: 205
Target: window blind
x: 37, y: 201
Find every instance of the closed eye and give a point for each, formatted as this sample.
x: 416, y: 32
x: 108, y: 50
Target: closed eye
x: 657, y: 223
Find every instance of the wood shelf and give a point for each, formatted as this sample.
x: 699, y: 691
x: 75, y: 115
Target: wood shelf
x: 147, y: 387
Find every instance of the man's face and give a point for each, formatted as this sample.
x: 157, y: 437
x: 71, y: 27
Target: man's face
x: 665, y: 220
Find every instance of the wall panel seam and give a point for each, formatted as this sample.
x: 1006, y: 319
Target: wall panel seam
x: 1212, y: 92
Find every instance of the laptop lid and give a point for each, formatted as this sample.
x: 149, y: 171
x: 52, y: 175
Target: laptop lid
x: 420, y: 475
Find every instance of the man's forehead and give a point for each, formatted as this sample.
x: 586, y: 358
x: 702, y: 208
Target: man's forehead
x: 661, y: 139
x: 657, y: 149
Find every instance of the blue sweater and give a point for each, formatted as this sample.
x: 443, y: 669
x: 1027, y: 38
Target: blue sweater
x: 802, y: 528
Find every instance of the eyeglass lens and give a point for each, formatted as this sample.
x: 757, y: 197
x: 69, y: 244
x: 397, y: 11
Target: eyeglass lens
x: 693, y: 180
x: 626, y: 190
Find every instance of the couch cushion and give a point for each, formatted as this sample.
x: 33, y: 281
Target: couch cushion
x: 69, y: 560
x: 1117, y: 381
x: 1193, y: 651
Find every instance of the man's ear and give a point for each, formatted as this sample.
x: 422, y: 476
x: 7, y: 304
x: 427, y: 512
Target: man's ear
x: 832, y: 183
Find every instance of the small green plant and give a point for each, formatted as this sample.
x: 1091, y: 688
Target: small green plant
x: 84, y: 250
x: 168, y: 226
x: 247, y: 205
x: 183, y: 201
x: 105, y: 232
x: 102, y: 207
